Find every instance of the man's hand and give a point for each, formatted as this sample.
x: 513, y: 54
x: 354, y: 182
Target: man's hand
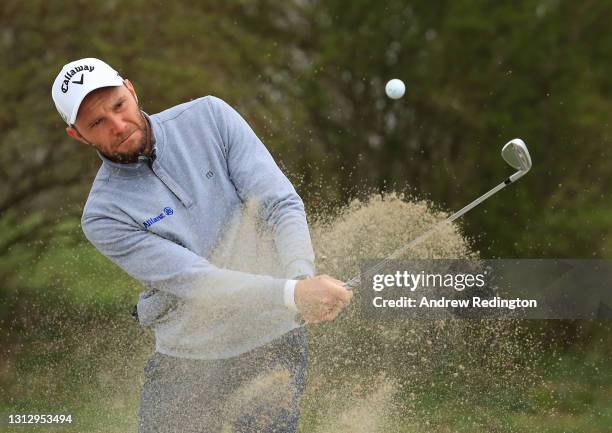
x: 321, y: 298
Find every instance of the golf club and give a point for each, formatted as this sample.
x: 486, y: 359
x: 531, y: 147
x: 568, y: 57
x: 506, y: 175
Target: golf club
x: 514, y: 152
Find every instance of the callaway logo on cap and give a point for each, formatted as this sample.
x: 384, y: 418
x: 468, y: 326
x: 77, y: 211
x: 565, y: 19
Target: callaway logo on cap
x: 76, y: 80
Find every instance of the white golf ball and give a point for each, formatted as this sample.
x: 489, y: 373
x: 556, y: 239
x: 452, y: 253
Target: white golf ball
x: 395, y: 88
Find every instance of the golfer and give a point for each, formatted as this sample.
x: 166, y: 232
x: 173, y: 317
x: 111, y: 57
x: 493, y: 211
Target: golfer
x: 168, y: 186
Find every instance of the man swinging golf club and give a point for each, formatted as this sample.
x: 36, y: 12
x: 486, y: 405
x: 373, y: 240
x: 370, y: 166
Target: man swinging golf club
x: 168, y: 185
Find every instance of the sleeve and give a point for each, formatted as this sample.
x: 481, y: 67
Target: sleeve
x: 290, y: 295
x: 257, y: 177
x: 167, y: 266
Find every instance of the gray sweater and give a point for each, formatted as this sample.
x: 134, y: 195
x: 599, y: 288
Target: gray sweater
x: 160, y: 219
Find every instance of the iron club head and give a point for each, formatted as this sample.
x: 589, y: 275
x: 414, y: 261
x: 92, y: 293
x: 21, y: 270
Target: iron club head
x: 516, y: 154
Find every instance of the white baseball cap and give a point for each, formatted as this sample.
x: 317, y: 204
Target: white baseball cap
x: 76, y: 80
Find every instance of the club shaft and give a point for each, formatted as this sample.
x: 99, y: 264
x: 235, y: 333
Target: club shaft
x: 476, y: 202
x: 356, y: 280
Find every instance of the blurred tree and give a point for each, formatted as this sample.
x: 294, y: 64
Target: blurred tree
x: 477, y: 74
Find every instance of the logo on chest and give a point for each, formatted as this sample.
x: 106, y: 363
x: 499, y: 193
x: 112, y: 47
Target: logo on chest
x: 166, y: 213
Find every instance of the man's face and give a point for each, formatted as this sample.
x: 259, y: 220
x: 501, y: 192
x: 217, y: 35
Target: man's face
x: 110, y: 120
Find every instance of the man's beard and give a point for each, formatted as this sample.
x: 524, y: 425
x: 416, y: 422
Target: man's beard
x: 132, y: 156
x: 129, y: 157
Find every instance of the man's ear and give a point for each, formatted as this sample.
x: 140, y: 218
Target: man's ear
x: 75, y: 134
